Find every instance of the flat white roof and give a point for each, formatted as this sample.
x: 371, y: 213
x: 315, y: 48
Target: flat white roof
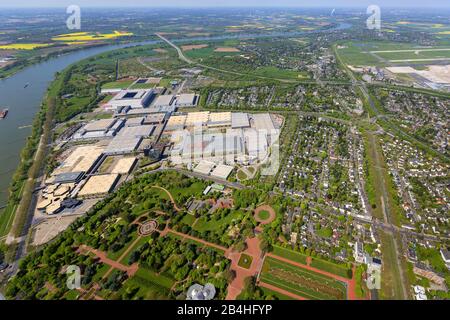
x: 222, y: 171
x: 204, y: 167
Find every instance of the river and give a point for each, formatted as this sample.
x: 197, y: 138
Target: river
x: 23, y: 103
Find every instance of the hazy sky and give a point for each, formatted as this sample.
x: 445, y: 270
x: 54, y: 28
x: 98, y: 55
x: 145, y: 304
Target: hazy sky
x: 227, y: 3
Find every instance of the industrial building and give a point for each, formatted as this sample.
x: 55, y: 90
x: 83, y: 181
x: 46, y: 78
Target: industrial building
x: 134, y: 122
x: 122, y: 112
x: 135, y: 99
x: 54, y: 198
x: 222, y: 171
x: 137, y: 131
x: 97, y: 186
x: 176, y: 122
x: 214, y: 147
x: 246, y: 140
x: 124, y: 165
x: 204, y: 167
x: 219, y: 119
x: 186, y: 100
x: 69, y: 177
x: 263, y: 121
x: 197, y: 118
x: 164, y: 101
x: 122, y: 145
x: 98, y: 129
x: 239, y: 120
x: 155, y: 118
x: 81, y: 159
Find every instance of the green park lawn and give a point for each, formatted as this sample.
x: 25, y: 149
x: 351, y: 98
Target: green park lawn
x: 245, y: 261
x: 263, y: 215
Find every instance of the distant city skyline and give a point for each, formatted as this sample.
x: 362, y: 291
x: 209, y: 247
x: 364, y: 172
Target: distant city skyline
x: 228, y: 3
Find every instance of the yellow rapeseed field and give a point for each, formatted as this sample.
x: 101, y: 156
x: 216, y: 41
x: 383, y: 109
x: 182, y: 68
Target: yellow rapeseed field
x: 23, y: 46
x: 90, y: 36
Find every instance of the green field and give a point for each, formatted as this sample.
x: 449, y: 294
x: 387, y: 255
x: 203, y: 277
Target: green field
x: 117, y: 85
x: 334, y: 268
x: 301, y: 282
x: 143, y: 86
x: 148, y: 285
x: 203, y: 224
x: 289, y: 254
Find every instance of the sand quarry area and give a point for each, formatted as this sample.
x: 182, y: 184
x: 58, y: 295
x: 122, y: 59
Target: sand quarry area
x: 433, y: 73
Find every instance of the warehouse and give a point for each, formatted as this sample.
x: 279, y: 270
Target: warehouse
x: 137, y: 131
x: 100, y: 185
x: 164, y: 101
x: 135, y: 99
x: 155, y: 118
x: 197, y: 118
x: 82, y: 159
x: 123, y: 145
x: 256, y: 144
x: 222, y: 171
x: 186, y: 100
x: 239, y: 120
x: 214, y: 147
x: 176, y: 123
x: 98, y: 129
x: 219, y: 119
x: 263, y: 121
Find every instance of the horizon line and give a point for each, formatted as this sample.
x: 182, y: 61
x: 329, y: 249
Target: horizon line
x: 99, y: 6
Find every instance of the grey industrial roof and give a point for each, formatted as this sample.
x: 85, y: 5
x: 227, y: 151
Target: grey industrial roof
x: 122, y: 145
x: 164, y: 100
x: 137, y: 131
x: 131, y: 122
x: 239, y: 120
x: 68, y: 177
x: 186, y: 98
